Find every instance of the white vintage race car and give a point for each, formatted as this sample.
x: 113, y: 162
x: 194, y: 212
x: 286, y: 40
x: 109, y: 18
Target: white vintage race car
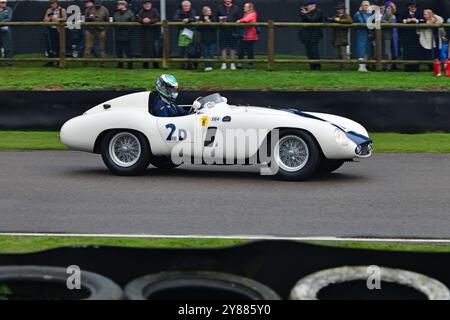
x: 292, y: 144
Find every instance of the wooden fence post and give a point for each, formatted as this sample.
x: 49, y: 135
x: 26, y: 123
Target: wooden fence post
x: 378, y: 49
x: 166, y: 45
x: 62, y: 44
x: 270, y: 45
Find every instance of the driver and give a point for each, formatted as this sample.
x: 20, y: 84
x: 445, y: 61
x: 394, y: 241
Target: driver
x: 162, y: 101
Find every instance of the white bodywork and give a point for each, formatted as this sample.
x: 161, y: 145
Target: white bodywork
x: 131, y: 112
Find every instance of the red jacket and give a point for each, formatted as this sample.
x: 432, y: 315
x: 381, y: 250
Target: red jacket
x: 250, y: 32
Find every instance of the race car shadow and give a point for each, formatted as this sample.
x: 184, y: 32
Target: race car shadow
x: 216, y: 174
x: 245, y: 175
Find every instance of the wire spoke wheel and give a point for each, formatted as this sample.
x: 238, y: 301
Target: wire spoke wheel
x: 125, y: 149
x: 291, y: 153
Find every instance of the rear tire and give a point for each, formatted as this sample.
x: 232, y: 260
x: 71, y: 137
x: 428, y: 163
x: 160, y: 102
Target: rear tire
x: 296, y: 155
x: 125, y: 152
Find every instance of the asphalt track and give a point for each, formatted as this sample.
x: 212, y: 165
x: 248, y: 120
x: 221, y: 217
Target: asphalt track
x: 386, y: 196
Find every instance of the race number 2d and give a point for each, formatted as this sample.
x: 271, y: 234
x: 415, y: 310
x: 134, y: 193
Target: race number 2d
x: 174, y: 134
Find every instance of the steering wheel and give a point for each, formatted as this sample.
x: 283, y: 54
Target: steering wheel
x: 196, y: 105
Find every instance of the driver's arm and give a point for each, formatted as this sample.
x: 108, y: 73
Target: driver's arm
x: 181, y: 111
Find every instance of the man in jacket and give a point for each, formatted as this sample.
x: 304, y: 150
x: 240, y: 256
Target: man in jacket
x: 409, y: 40
x: 122, y: 35
x: 149, y: 35
x: 229, y: 37
x: 6, y: 15
x: 185, y: 34
x: 340, y: 35
x: 95, y: 12
x: 310, y: 37
x: 54, y: 14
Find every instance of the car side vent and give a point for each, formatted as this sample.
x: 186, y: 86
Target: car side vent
x: 226, y: 119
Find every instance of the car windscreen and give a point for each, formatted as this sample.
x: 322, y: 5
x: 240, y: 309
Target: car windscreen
x: 211, y: 100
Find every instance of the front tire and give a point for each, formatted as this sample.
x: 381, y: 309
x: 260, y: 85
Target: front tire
x: 125, y: 152
x: 296, y: 155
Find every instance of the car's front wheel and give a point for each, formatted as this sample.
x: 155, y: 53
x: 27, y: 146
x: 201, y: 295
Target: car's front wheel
x: 296, y: 155
x: 125, y: 153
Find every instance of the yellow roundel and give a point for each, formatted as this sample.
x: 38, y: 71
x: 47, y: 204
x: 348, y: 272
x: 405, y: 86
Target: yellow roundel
x: 204, y: 121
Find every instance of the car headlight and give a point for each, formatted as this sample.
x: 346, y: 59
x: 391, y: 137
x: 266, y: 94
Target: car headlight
x: 341, y: 137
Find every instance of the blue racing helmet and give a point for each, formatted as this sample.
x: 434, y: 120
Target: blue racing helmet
x: 167, y: 86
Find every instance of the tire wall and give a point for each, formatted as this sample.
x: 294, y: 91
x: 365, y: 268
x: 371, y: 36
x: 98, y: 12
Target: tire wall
x: 378, y: 111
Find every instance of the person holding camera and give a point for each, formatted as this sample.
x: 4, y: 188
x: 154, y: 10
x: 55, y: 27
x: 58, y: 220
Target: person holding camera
x: 95, y: 12
x: 340, y: 35
x: 409, y: 39
x: 53, y: 14
x: 310, y: 37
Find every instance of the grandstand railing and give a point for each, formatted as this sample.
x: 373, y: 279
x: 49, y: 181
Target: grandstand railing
x: 270, y: 60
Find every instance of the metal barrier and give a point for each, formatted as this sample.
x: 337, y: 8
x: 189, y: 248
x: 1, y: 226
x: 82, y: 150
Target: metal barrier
x: 270, y: 58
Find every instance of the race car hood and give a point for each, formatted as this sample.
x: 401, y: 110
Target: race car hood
x: 342, y: 123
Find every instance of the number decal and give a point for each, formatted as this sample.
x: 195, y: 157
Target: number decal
x: 172, y: 128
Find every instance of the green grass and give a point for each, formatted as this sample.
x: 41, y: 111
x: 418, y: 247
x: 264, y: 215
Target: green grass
x: 425, y: 142
x: 286, y: 77
x: 30, y: 140
x: 383, y: 142
x: 24, y: 244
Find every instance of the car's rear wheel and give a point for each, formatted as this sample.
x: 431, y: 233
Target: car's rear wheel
x: 327, y: 165
x: 163, y: 162
x: 296, y: 155
x: 126, y: 152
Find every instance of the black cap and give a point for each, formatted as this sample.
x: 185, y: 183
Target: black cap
x: 146, y: 1
x: 411, y: 3
x: 308, y: 2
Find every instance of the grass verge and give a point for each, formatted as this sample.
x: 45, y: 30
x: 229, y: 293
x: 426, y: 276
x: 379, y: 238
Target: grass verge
x: 23, y: 244
x: 383, y: 142
x: 286, y: 77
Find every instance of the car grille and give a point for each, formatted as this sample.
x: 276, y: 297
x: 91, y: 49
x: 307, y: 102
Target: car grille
x: 366, y: 148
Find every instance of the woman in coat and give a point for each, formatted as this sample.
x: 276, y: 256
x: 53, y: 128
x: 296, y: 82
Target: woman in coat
x: 363, y: 46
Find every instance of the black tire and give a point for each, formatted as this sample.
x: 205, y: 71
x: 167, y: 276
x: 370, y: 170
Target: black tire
x: 328, y: 166
x: 50, y: 283
x: 312, y: 162
x: 163, y: 162
x: 201, y: 285
x: 141, y: 162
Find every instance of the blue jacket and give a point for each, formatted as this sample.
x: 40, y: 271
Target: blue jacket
x: 362, y: 35
x: 163, y: 109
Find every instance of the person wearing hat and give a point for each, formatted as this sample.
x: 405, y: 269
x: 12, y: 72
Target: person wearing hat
x: 340, y: 35
x: 122, y: 35
x: 149, y: 35
x: 95, y: 12
x: 6, y: 15
x: 409, y: 39
x: 53, y: 14
x: 363, y: 43
x: 310, y: 37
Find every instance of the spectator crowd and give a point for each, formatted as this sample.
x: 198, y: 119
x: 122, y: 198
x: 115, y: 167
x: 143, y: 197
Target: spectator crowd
x: 239, y: 42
